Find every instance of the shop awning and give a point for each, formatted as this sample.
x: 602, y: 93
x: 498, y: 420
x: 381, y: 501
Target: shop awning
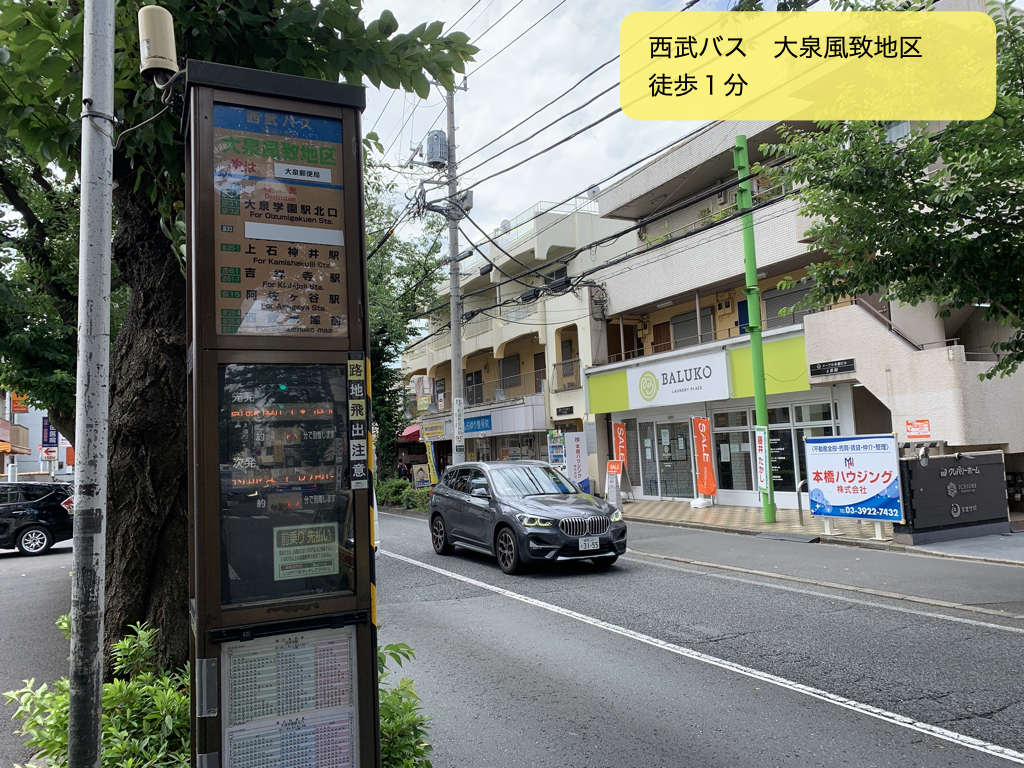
x: 411, y: 434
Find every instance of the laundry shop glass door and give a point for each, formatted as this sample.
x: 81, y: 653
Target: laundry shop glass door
x: 675, y: 465
x: 649, y: 460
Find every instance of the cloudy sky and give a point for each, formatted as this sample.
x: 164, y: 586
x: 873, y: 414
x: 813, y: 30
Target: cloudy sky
x: 576, y: 38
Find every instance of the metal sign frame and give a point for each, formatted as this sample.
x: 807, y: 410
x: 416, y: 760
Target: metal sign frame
x: 212, y: 624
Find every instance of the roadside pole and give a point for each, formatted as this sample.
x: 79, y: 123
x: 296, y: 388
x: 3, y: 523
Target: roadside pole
x: 92, y: 392
x: 455, y: 308
x: 744, y: 202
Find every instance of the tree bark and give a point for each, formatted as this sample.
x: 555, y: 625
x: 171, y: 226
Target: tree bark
x: 147, y: 515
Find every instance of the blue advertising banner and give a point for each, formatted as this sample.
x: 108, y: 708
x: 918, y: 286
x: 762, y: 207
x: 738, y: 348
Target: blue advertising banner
x: 855, y: 477
x: 477, y: 424
x: 51, y: 438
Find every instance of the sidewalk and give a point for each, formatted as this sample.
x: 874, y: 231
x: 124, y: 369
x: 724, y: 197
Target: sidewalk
x: 749, y: 520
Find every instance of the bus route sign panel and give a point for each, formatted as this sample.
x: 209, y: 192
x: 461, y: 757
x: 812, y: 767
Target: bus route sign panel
x: 855, y: 477
x: 279, y: 241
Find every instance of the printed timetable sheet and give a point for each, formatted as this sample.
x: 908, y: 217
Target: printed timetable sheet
x: 289, y: 701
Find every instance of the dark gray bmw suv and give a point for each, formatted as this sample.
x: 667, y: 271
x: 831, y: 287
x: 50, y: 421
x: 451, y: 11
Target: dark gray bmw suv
x: 522, y: 512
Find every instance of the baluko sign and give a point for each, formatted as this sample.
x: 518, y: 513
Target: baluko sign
x: 689, y: 380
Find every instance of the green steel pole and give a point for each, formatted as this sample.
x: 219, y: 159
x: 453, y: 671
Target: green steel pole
x: 745, y: 202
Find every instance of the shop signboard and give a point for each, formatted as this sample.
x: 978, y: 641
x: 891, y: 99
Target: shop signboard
x: 51, y: 438
x: 835, y: 366
x: 703, y: 453
x: 855, y: 477
x: 576, y: 459
x: 432, y: 431
x: 458, y: 431
x: 612, y: 492
x: 761, y: 452
x: 477, y: 424
x: 421, y: 475
x: 961, y: 489
x: 19, y: 403
x: 685, y: 380
x: 280, y: 449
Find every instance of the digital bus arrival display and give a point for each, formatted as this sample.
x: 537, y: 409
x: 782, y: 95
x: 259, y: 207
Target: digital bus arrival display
x: 286, y: 525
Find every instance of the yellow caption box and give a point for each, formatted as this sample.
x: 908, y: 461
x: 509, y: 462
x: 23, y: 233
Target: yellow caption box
x: 808, y: 66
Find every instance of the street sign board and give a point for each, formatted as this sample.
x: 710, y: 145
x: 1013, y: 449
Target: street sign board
x: 855, y: 477
x: 835, y: 366
x: 280, y: 443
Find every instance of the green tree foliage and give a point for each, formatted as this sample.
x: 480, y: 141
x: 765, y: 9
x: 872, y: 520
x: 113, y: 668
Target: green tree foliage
x: 403, y: 274
x: 938, y: 215
x: 40, y: 109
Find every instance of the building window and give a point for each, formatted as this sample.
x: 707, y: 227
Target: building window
x: 684, y: 328
x: 788, y: 425
x: 894, y: 131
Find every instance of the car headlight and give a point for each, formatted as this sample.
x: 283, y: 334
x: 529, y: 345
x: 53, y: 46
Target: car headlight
x: 532, y: 521
x: 616, y: 516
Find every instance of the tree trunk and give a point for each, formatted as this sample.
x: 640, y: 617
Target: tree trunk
x: 147, y: 515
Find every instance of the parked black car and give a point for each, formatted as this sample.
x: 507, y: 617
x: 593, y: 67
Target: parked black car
x: 522, y: 512
x: 34, y: 516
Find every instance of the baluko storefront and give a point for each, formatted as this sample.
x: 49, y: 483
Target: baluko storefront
x: 658, y: 397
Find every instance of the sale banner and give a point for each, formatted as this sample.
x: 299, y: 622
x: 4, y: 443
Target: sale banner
x: 704, y: 455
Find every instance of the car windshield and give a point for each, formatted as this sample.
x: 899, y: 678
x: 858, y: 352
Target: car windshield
x: 530, y: 480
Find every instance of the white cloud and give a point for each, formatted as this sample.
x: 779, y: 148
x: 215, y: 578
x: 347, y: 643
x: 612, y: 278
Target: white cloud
x: 574, y: 40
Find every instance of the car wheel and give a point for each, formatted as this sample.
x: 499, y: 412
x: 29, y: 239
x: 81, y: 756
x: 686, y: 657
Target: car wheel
x: 604, y: 562
x: 439, y: 536
x: 34, y: 540
x: 507, y: 550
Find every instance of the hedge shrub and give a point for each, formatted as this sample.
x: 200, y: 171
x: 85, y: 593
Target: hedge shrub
x: 146, y: 712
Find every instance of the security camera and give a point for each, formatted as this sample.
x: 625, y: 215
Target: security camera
x: 159, y: 57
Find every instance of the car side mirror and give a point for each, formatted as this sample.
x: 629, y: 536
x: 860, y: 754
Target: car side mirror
x: 481, y: 493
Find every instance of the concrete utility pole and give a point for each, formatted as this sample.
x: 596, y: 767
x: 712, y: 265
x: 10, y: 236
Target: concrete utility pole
x: 744, y: 201
x: 91, y: 418
x: 454, y: 214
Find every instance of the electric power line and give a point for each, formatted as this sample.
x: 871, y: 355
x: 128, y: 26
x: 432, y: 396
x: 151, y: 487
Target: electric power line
x: 474, y: 5
x: 557, y: 144
x: 531, y: 116
x: 480, y: 36
x: 541, y: 130
x: 517, y: 38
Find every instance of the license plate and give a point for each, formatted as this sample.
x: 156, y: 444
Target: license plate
x: 589, y: 542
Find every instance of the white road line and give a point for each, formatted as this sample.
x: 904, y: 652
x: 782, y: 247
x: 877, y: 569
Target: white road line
x: 632, y: 556
x: 865, y: 709
x: 812, y: 593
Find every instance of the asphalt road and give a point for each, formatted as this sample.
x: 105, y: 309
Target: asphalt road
x: 34, y: 591
x: 653, y: 663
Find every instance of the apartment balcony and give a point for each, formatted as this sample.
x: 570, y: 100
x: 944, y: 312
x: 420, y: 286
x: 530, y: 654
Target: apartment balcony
x: 710, y: 254
x: 566, y: 376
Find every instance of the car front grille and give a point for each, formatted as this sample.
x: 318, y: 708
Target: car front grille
x: 584, y: 526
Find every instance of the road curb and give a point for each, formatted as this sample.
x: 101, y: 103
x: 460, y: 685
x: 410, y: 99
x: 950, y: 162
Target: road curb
x: 884, y: 546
